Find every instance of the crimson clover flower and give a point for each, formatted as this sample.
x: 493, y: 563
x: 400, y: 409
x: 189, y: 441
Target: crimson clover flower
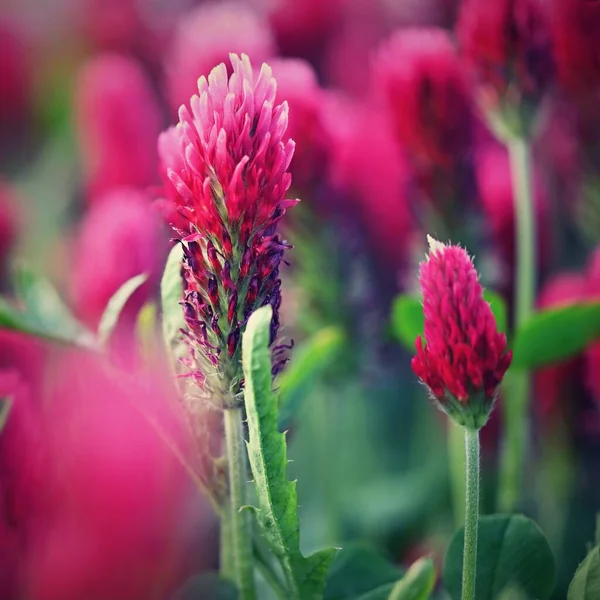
x: 227, y: 161
x: 464, y: 357
x: 506, y: 46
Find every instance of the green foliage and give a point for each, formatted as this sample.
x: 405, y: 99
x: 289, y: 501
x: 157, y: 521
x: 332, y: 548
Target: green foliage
x: 512, y: 551
x: 171, y: 293
x: 145, y: 328
x: 498, y: 306
x: 408, y: 320
x: 207, y: 586
x: 359, y: 573
x: 311, y: 359
x: 43, y: 313
x: 554, y: 335
x: 115, y: 306
x: 5, y: 406
x: 418, y: 582
x: 586, y: 582
x: 277, y: 511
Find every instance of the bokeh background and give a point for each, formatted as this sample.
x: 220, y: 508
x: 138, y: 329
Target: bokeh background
x: 390, y: 146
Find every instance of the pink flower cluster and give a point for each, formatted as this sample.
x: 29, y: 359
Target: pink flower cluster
x: 464, y: 357
x: 227, y: 162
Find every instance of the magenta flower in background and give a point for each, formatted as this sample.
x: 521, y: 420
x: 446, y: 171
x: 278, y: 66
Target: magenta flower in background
x: 463, y: 357
x: 21, y: 469
x: 302, y: 28
x: 206, y: 36
x: 230, y: 172
x: 506, y: 46
x: 120, y: 237
x: 9, y: 223
x: 576, y: 30
x: 118, y: 120
x: 117, y: 516
x: 15, y: 75
x: 369, y: 170
x: 347, y: 59
x: 419, y: 76
x: 297, y: 84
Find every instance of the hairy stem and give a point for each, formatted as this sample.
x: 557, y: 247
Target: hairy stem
x: 516, y: 403
x: 456, y: 457
x: 471, y: 513
x: 226, y: 560
x: 240, y: 526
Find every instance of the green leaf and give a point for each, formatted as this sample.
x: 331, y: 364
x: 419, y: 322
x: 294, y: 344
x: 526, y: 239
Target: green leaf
x: 586, y: 582
x: 311, y: 358
x: 555, y: 335
x: 5, y: 406
x: 277, y: 511
x: 358, y: 571
x: 407, y: 320
x: 171, y: 293
x: 45, y: 314
x: 145, y: 329
x: 498, y: 306
x: 115, y: 306
x: 207, y: 586
x: 512, y: 551
x: 418, y: 582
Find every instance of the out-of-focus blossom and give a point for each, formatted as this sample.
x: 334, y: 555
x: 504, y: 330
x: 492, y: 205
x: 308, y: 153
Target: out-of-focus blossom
x: 506, y: 46
x: 8, y: 224
x: 118, y: 120
x: 419, y: 76
x: 20, y: 472
x: 233, y: 159
x: 138, y: 27
x: 206, y: 36
x: 15, y: 75
x: 114, y: 520
x: 465, y: 356
x: 22, y: 354
x: 411, y: 13
x: 297, y: 85
x: 347, y: 60
x: 496, y: 196
x: 370, y: 171
x: 576, y: 30
x: 120, y: 237
x: 302, y: 28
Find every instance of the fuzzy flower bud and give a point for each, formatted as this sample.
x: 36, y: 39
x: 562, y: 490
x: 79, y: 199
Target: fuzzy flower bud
x: 227, y: 162
x: 464, y: 357
x: 506, y: 46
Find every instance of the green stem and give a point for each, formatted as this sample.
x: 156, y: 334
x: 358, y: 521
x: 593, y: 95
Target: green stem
x: 226, y: 560
x: 456, y: 456
x: 471, y: 513
x: 262, y: 562
x: 240, y: 525
x: 516, y: 403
